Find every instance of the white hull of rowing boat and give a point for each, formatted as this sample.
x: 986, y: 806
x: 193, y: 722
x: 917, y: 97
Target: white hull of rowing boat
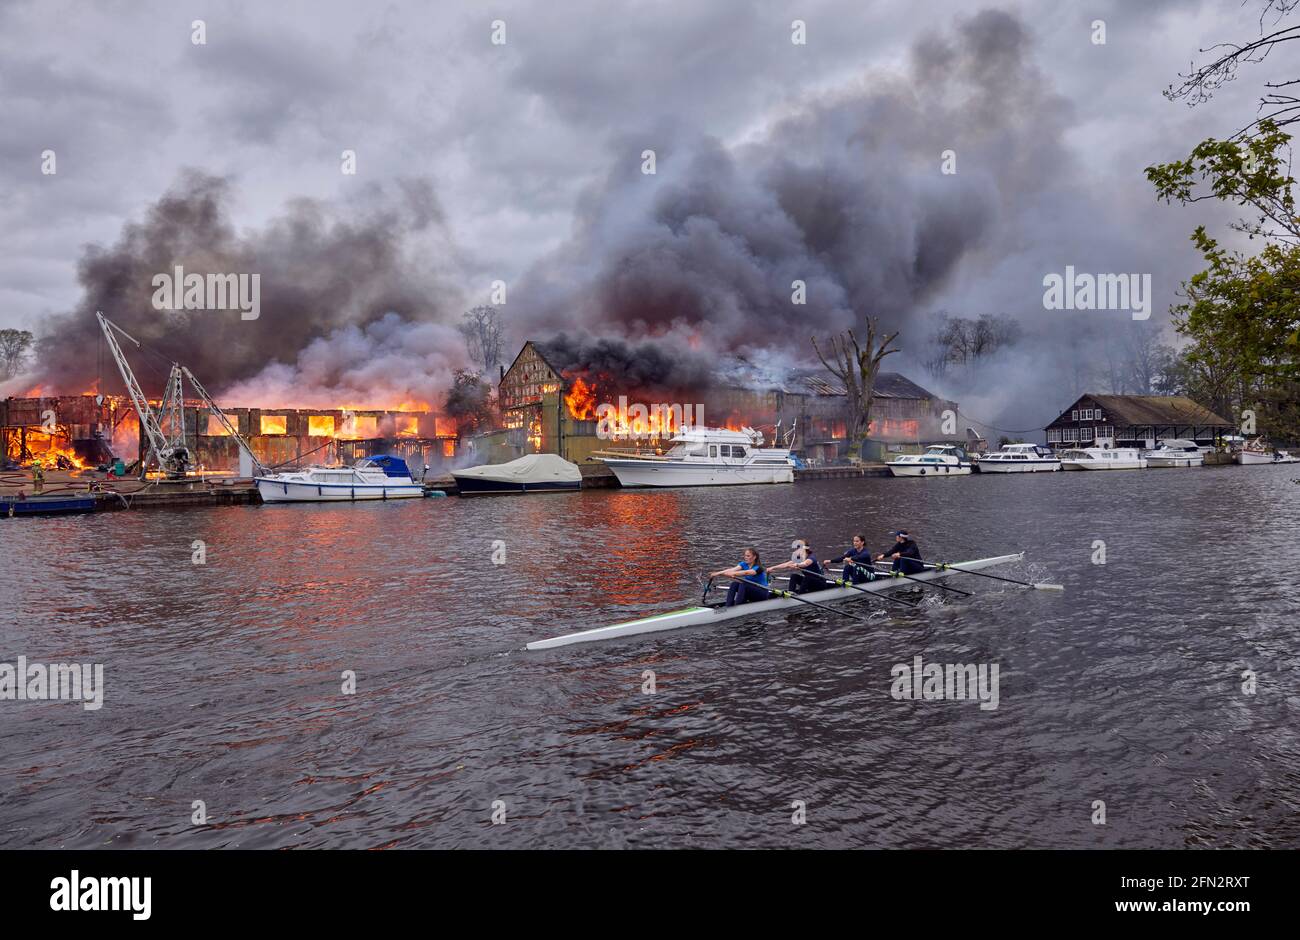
x: 708, y: 616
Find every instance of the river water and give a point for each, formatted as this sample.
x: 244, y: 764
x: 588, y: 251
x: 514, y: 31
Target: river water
x: 224, y: 681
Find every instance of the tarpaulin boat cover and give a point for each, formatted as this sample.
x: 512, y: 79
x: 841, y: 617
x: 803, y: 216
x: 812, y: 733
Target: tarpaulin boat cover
x: 535, y: 468
x: 392, y: 466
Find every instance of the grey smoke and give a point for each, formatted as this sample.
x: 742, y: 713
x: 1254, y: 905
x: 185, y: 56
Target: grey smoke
x: 330, y: 274
x: 844, y: 194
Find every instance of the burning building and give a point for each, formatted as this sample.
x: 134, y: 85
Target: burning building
x: 81, y: 431
x: 550, y: 406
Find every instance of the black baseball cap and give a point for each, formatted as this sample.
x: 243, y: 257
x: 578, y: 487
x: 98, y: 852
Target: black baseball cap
x: 901, y: 532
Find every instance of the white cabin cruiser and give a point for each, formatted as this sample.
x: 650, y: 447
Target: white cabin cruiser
x: 1175, y: 452
x: 1019, y: 458
x: 705, y: 457
x: 1102, y: 458
x: 939, y: 460
x: 371, y: 478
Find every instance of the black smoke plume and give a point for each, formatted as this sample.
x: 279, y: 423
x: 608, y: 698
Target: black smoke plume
x: 844, y: 193
x: 331, y: 276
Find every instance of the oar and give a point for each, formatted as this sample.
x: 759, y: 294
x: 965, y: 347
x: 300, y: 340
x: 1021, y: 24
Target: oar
x: 844, y: 582
x: 1036, y: 585
x: 825, y: 577
x: 944, y: 587
x: 793, y: 596
x: 884, y: 597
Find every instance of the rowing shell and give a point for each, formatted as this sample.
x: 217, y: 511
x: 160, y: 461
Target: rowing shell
x: 705, y: 616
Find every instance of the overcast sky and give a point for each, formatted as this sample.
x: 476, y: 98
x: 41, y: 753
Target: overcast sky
x: 518, y: 142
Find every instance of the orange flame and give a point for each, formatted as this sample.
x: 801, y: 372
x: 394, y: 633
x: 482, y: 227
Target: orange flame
x: 50, y: 454
x: 581, y: 399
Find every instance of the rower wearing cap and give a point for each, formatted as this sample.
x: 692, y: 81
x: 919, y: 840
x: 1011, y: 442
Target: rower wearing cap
x: 905, y: 554
x: 755, y: 584
x: 857, y: 561
x: 809, y: 575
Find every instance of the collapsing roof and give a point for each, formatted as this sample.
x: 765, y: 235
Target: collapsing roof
x: 816, y: 381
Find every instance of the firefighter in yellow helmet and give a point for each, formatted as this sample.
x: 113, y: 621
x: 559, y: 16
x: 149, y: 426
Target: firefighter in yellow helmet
x: 38, y: 477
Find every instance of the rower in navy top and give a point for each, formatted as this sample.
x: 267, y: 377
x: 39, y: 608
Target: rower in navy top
x: 808, y: 572
x: 754, y: 586
x: 906, y: 554
x: 857, y: 562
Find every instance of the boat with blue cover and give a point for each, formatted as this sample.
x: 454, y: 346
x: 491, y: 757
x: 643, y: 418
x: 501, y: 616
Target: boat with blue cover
x: 382, y: 477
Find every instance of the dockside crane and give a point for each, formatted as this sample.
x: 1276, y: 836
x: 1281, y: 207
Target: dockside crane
x: 165, y: 429
x: 167, y: 450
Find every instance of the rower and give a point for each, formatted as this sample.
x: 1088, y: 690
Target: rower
x: 754, y: 574
x: 809, y: 575
x: 905, y: 554
x: 857, y: 561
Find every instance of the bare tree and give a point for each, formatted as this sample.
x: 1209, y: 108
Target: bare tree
x: 483, y: 334
x: 1145, y: 357
x: 1279, y: 104
x: 857, y: 365
x: 963, y: 342
x: 14, y: 346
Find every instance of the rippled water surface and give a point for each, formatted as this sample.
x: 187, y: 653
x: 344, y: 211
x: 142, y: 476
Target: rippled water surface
x: 224, y: 680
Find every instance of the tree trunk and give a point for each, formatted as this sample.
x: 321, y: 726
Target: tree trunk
x: 856, y: 365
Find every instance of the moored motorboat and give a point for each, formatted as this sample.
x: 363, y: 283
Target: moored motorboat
x: 382, y: 477
x: 533, y: 473
x: 1102, y: 458
x: 1018, y: 458
x: 46, y: 505
x: 1175, y: 452
x: 705, y: 457
x: 937, y: 461
x: 704, y: 615
x: 1256, y: 452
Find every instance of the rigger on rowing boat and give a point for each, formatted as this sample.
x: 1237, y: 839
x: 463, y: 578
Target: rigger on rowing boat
x: 751, y: 591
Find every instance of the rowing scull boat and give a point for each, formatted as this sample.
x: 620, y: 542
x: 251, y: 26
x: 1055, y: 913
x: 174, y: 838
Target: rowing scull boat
x: 707, y: 616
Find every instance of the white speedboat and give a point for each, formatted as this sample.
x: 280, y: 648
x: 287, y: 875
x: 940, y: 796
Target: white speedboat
x: 1019, y: 458
x: 371, y: 478
x: 534, y: 473
x: 705, y: 457
x: 1175, y: 452
x: 1102, y: 458
x: 939, y: 460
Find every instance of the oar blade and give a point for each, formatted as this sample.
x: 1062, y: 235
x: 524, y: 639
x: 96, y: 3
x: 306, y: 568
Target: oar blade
x: 1048, y: 587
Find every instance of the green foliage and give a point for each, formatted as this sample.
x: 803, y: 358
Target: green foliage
x: 1250, y: 173
x: 1242, y: 312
